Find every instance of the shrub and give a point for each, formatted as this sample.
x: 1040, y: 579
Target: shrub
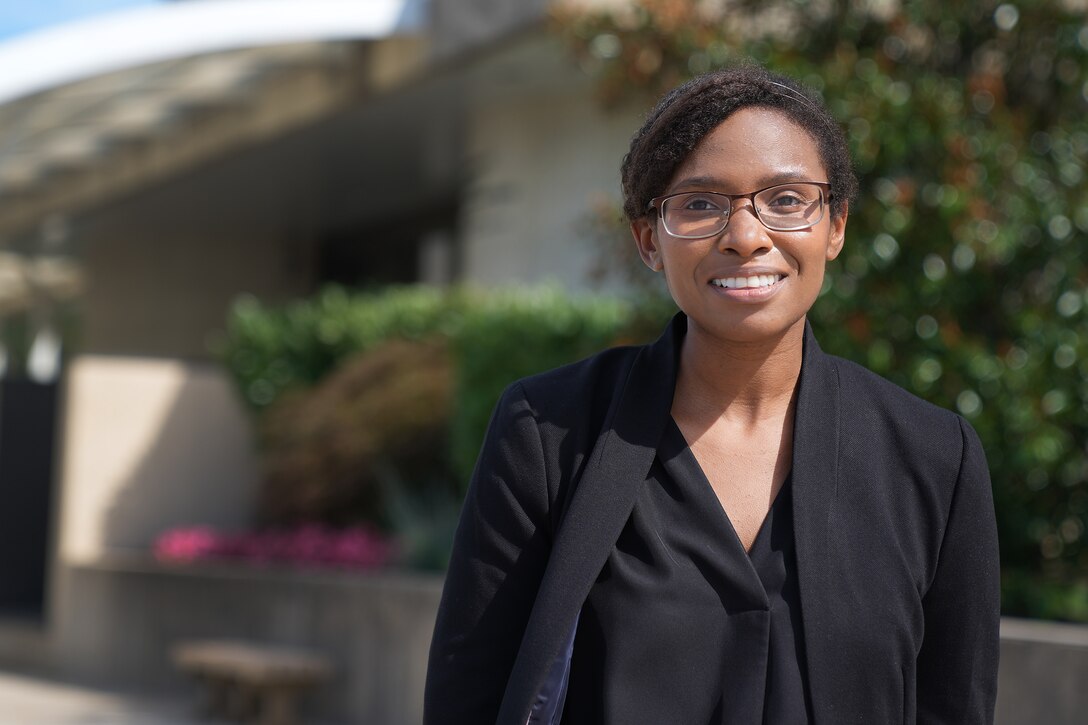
x: 335, y: 452
x: 382, y: 421
x: 269, y: 350
x: 510, y: 335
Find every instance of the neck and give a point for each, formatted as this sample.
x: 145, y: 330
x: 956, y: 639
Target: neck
x: 745, y: 382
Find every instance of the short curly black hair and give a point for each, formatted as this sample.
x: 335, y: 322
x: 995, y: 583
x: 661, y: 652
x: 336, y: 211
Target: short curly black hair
x: 689, y: 112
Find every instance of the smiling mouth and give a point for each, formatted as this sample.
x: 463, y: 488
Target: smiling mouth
x: 755, y: 281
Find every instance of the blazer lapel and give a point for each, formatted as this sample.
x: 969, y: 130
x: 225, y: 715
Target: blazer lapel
x: 815, y: 479
x: 598, y: 511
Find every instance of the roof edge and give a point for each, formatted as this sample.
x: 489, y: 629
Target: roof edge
x: 138, y: 36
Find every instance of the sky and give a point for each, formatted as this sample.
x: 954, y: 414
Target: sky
x: 22, y: 16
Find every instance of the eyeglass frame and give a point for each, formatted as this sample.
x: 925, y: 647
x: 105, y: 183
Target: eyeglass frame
x: 825, y: 197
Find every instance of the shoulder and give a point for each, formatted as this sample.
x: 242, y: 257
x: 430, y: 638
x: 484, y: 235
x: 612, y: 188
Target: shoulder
x: 884, y: 427
x: 902, y: 464
x: 862, y: 388
x: 882, y: 422
x: 548, y: 424
x: 576, y: 390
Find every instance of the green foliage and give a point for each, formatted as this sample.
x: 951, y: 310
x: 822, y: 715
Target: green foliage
x: 963, y: 278
x: 372, y: 406
x: 511, y: 335
x: 425, y: 518
x: 269, y: 350
x: 377, y: 426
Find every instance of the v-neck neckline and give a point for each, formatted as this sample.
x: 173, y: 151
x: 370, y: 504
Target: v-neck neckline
x: 685, y: 464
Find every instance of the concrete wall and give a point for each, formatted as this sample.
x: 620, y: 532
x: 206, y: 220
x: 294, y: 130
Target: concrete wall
x: 539, y: 164
x: 153, y: 432
x: 1044, y: 673
x: 376, y: 628
x: 162, y: 267
x: 164, y: 294
x: 150, y: 444
x: 456, y: 26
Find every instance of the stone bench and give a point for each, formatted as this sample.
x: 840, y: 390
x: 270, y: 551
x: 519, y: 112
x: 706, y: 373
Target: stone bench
x: 252, y: 682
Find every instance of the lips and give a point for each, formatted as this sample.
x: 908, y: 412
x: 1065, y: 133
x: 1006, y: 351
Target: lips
x: 754, y: 281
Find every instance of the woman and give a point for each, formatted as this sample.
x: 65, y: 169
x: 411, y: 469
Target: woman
x: 728, y: 525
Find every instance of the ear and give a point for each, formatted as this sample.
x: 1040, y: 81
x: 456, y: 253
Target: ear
x: 837, y: 235
x: 644, y: 230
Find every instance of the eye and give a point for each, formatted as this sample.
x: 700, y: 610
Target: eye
x: 700, y: 203
x: 788, y: 200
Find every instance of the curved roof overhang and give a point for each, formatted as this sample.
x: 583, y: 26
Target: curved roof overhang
x: 151, y: 34
x: 98, y: 108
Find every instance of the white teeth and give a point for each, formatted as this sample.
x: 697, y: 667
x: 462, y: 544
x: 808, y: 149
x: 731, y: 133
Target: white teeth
x: 760, y: 280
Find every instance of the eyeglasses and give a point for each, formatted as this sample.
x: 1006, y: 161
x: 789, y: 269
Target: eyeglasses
x: 780, y: 208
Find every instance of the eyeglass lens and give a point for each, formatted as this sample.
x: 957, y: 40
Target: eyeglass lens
x: 779, y: 208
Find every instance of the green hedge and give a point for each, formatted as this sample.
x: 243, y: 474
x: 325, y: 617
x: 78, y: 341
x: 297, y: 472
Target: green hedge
x: 510, y: 335
x: 270, y: 349
x: 496, y: 338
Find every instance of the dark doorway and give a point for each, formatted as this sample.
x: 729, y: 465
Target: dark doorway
x: 381, y: 252
x: 27, y: 426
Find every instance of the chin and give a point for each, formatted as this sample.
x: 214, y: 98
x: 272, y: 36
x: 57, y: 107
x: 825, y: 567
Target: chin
x: 750, y: 329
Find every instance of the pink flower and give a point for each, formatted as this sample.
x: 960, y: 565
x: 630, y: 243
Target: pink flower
x: 189, y: 544
x: 358, y: 547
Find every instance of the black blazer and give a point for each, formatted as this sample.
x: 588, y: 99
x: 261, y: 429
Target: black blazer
x: 893, y: 519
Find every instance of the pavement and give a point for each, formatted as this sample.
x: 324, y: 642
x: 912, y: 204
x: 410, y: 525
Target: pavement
x: 28, y: 700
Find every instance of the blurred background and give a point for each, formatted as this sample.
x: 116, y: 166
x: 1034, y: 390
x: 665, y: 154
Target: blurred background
x: 266, y: 265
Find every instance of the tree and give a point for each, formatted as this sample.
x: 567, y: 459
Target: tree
x: 964, y: 274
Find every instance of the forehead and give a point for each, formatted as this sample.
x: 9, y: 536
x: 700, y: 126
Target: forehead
x: 753, y: 147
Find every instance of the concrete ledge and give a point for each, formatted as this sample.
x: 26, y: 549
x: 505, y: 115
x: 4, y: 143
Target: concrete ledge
x: 1044, y: 673
x: 24, y: 644
x: 115, y: 621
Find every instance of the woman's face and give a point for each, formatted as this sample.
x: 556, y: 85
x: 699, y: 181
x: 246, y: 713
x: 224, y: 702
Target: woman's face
x: 752, y: 149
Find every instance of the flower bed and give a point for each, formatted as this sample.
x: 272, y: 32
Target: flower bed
x: 357, y: 547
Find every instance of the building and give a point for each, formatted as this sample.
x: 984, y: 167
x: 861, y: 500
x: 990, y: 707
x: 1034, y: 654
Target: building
x: 152, y: 170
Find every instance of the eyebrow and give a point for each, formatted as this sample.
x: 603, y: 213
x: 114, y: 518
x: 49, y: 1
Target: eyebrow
x: 710, y: 182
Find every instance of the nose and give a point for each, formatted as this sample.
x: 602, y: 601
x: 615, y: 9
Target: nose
x: 745, y: 235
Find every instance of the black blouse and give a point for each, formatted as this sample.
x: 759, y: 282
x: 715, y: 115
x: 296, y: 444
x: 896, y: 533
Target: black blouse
x: 682, y: 626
